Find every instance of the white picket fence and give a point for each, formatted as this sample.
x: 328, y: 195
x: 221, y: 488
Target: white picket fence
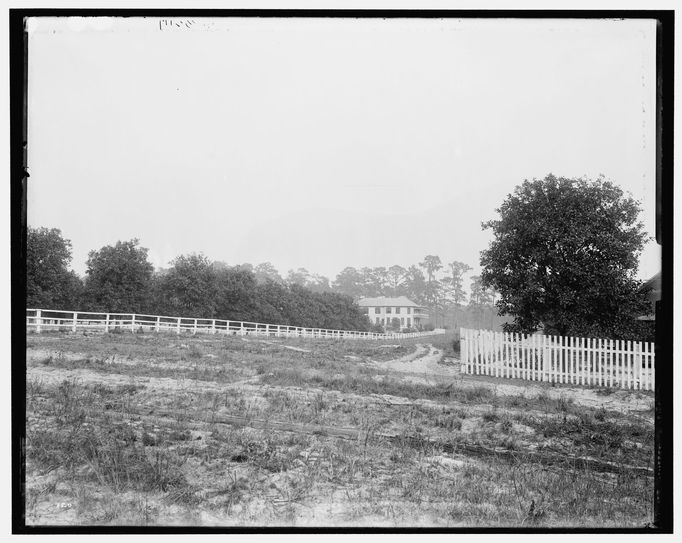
x: 559, y: 359
x: 39, y: 320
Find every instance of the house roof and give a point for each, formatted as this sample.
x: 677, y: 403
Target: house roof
x: 400, y: 301
x: 653, y: 287
x: 654, y: 282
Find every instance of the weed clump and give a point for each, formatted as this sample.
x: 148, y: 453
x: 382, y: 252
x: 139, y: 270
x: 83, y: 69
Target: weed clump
x: 194, y: 351
x: 491, y: 416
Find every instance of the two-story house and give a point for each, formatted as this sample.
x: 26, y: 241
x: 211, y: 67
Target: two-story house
x: 384, y: 311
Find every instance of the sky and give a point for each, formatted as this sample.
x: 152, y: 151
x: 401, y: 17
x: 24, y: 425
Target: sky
x: 326, y: 143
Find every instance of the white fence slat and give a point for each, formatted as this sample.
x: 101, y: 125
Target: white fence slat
x: 484, y: 345
x: 560, y: 359
x: 624, y: 364
x: 652, y: 362
x: 638, y: 365
x: 576, y: 360
x: 573, y: 360
x: 652, y: 374
x: 647, y: 367
x: 648, y: 361
x: 557, y: 359
x: 491, y: 353
x: 635, y: 376
x: 496, y: 352
x: 470, y: 350
x: 543, y: 346
x: 522, y: 358
x: 476, y: 343
x: 597, y: 372
x: 480, y: 358
x: 604, y: 362
x: 593, y: 361
x: 507, y: 365
x: 629, y: 366
x: 616, y: 363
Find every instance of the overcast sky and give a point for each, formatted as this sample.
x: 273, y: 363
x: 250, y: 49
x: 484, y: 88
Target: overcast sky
x: 326, y: 143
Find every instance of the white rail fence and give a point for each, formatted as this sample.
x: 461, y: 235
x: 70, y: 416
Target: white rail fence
x: 559, y: 359
x: 39, y: 320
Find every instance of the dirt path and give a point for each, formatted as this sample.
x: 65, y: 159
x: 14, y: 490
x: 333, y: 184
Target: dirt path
x: 422, y: 364
x: 423, y: 367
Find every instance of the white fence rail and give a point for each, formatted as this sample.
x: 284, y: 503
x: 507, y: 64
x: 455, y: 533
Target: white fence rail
x: 40, y: 320
x: 559, y: 359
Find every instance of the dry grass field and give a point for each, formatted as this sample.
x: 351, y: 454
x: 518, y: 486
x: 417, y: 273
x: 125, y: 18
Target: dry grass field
x: 146, y: 429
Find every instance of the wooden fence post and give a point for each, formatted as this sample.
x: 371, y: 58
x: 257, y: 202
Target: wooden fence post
x: 158, y: 324
x: 106, y: 323
x: 75, y: 320
x: 213, y: 330
x: 39, y: 320
x: 132, y: 323
x: 178, y: 328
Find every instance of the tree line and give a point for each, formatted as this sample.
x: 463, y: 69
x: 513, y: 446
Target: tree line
x: 120, y: 279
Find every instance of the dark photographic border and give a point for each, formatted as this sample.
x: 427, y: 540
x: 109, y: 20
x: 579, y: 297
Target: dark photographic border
x: 663, y: 451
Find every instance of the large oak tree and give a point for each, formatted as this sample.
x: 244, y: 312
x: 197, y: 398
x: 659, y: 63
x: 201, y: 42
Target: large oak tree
x: 564, y: 255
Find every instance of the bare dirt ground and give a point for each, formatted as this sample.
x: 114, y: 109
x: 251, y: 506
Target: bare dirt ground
x: 423, y: 366
x: 165, y: 430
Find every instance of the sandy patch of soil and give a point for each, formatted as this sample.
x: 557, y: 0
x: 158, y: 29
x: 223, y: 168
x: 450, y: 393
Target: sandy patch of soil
x: 423, y: 363
x: 423, y: 367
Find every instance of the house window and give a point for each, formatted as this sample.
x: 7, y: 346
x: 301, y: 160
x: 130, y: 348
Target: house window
x: 397, y: 311
x: 409, y: 324
x: 388, y: 310
x: 409, y: 310
x: 402, y: 321
x: 377, y: 310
